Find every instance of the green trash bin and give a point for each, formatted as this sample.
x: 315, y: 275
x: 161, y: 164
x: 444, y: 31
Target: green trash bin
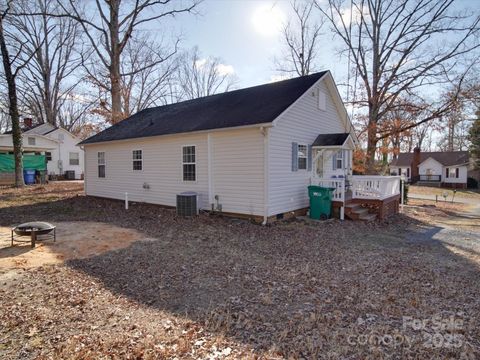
x: 320, y: 202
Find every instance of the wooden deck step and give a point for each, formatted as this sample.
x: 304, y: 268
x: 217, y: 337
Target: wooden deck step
x: 356, y: 212
x: 367, y: 217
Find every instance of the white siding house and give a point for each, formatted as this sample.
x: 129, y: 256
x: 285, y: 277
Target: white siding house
x: 448, y: 168
x: 59, y: 146
x: 251, y: 151
x: 66, y: 156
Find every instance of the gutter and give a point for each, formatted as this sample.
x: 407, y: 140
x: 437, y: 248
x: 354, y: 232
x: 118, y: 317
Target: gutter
x: 184, y: 133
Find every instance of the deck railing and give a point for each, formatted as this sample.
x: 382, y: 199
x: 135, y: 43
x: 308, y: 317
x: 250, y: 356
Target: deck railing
x: 429, y: 178
x: 337, y: 183
x: 361, y: 187
x: 375, y: 187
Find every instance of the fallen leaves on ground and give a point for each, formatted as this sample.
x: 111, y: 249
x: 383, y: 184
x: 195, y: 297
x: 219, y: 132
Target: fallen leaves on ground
x: 212, y: 288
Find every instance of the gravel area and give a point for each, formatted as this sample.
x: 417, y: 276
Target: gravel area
x: 214, y: 287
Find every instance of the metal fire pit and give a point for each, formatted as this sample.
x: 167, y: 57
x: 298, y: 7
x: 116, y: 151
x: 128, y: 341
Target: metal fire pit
x: 37, y: 231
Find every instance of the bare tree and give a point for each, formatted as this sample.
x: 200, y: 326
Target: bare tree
x: 47, y: 81
x: 148, y: 69
x: 110, y: 25
x: 401, y: 48
x: 457, y: 121
x: 300, y: 40
x: 12, y: 65
x: 198, y: 76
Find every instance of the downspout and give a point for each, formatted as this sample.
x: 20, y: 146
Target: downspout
x: 210, y: 171
x: 265, y: 134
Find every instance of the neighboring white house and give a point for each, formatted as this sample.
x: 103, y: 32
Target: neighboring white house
x: 58, y: 145
x: 447, y: 168
x: 252, y: 151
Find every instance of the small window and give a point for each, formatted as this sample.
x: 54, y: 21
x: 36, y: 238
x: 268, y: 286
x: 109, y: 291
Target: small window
x: 32, y: 141
x: 74, y: 158
x: 453, y: 173
x: 137, y: 160
x: 48, y: 156
x: 302, y: 157
x: 339, y: 159
x: 189, y: 163
x: 101, y: 164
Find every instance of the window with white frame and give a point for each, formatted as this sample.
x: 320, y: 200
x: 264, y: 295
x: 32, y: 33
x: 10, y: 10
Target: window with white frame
x: 453, y: 173
x: 302, y: 157
x: 137, y: 158
x: 48, y: 156
x: 31, y: 140
x: 189, y: 167
x: 74, y: 158
x: 101, y: 164
x: 339, y: 160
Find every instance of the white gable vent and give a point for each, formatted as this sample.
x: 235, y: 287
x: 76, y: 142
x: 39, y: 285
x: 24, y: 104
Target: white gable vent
x: 322, y: 100
x: 187, y: 204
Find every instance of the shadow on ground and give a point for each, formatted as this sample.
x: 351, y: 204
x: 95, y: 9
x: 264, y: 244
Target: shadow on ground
x: 293, y: 289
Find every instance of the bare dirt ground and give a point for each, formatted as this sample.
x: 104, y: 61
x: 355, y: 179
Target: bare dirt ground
x: 211, y: 287
x: 75, y: 240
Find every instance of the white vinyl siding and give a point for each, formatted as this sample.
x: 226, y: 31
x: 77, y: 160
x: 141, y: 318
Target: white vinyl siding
x: 162, y: 170
x: 301, y: 123
x: 237, y: 170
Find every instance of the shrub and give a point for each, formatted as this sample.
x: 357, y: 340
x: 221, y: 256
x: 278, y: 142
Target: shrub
x: 472, y: 183
x: 405, y: 192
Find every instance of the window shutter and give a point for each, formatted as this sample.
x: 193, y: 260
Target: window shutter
x: 408, y: 172
x: 294, y: 156
x: 309, y: 157
x: 457, y: 172
x: 446, y: 172
x: 334, y: 161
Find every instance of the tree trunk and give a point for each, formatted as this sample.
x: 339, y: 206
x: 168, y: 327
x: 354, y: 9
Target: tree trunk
x: 13, y: 110
x: 115, y: 76
x: 371, y: 148
x: 371, y: 139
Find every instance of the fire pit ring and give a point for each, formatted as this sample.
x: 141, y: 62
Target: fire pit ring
x: 33, y: 230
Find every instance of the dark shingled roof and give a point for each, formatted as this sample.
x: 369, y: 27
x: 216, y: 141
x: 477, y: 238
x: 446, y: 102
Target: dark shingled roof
x: 24, y: 129
x: 446, y: 158
x: 330, y: 139
x: 250, y: 106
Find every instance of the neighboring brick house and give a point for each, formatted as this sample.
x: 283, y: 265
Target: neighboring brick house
x: 441, y: 168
